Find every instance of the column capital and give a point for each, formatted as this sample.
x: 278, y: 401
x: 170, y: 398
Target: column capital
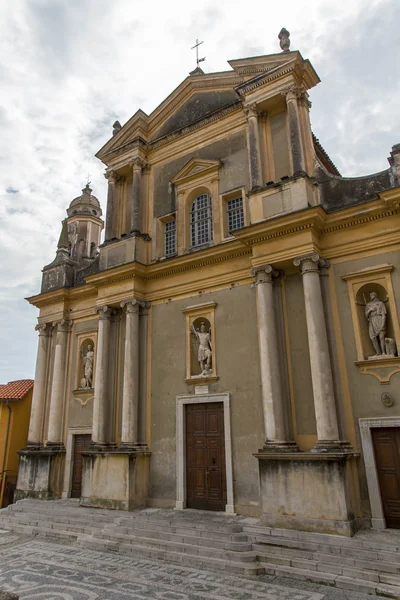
x: 132, y: 305
x: 63, y: 325
x: 293, y: 92
x: 264, y: 273
x: 250, y: 110
x: 112, y: 176
x: 311, y: 262
x: 138, y: 164
x: 44, y: 328
x: 105, y: 312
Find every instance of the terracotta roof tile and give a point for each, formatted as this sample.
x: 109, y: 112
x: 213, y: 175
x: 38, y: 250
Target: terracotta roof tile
x: 15, y: 390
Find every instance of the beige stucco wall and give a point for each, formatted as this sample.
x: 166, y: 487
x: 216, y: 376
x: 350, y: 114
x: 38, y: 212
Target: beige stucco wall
x: 236, y: 347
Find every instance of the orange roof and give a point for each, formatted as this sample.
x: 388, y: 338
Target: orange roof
x: 15, y: 390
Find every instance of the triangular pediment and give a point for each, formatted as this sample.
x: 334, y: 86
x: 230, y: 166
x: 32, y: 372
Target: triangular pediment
x: 196, y: 167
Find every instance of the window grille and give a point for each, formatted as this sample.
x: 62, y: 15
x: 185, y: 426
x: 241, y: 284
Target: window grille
x: 170, y: 238
x: 235, y: 214
x: 201, y: 220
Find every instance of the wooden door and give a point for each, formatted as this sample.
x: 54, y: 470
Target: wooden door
x: 387, y: 455
x: 205, y: 456
x: 81, y: 443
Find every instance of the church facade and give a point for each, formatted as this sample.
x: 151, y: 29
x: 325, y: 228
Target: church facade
x: 233, y: 345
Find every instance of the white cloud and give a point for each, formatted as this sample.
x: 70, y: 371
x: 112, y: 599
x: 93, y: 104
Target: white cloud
x: 69, y: 69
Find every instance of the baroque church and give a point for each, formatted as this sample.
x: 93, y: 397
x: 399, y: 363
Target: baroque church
x: 232, y: 344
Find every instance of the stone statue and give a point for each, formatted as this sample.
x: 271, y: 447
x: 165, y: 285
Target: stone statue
x: 88, y: 360
x: 205, y: 348
x: 116, y: 127
x: 390, y: 348
x: 284, y: 39
x: 375, y: 313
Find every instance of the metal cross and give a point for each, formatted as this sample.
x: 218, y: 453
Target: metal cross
x: 88, y: 182
x: 197, y: 44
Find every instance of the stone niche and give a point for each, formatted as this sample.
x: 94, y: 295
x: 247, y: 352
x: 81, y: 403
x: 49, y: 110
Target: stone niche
x: 364, y: 286
x: 200, y: 343
x: 83, y: 390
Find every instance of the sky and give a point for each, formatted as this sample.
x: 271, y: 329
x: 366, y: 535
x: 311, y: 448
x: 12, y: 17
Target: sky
x: 69, y: 69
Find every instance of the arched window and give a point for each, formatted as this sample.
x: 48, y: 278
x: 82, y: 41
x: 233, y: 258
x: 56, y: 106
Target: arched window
x: 201, y: 220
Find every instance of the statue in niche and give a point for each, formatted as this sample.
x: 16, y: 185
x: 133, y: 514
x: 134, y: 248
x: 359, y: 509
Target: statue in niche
x: 376, y: 314
x: 204, y: 354
x: 88, y: 360
x: 390, y: 348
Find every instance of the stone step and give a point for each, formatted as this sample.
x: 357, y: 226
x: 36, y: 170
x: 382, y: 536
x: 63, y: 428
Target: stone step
x: 335, y: 580
x: 192, y: 524
x: 182, y: 547
x: 329, y: 567
x: 16, y: 525
x: 191, y: 560
x: 133, y: 525
x: 263, y: 534
x: 335, y: 549
x: 187, y: 538
x: 51, y: 514
x: 25, y: 517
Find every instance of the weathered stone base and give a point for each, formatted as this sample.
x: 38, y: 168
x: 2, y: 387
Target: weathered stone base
x: 40, y: 473
x: 310, y: 492
x: 115, y: 478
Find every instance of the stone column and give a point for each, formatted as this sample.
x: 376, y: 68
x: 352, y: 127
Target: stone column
x: 137, y: 167
x: 101, y: 381
x: 39, y: 389
x: 143, y: 334
x: 296, y: 144
x: 253, y: 141
x: 321, y: 370
x: 130, y: 391
x: 54, y: 431
x: 271, y: 377
x: 110, y: 232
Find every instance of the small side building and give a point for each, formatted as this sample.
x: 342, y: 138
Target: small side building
x: 15, y: 409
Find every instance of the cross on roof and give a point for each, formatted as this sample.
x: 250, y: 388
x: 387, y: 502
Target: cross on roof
x: 198, y: 60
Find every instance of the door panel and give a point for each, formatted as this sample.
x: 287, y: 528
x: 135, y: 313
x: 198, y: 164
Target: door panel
x: 205, y: 456
x: 386, y: 443
x: 81, y: 443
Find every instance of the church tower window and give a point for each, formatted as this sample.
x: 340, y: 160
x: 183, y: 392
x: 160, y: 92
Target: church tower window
x: 201, y: 220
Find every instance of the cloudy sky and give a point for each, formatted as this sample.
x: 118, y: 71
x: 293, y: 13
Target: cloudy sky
x: 69, y: 68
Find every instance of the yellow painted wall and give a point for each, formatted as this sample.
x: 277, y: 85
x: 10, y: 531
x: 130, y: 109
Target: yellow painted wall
x: 18, y: 434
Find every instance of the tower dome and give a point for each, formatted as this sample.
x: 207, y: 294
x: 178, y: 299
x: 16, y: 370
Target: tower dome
x: 85, y: 204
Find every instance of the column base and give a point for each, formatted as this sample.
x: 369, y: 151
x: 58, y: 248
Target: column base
x: 40, y: 472
x: 332, y: 446
x: 115, y: 478
x: 310, y: 491
x: 278, y: 447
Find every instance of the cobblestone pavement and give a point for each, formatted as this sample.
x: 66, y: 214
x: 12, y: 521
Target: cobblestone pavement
x: 40, y: 570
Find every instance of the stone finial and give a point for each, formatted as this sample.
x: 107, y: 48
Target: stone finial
x: 116, y: 127
x: 284, y: 37
x: 63, y: 242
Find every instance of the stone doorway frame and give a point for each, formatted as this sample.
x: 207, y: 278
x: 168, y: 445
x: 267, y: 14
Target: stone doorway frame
x: 69, y: 455
x: 378, y: 520
x: 181, y: 401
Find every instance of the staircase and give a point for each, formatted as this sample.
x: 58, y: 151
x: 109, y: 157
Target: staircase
x: 215, y: 541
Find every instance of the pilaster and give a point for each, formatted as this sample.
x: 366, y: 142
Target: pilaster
x: 296, y: 145
x: 111, y: 216
x: 137, y: 167
x: 271, y: 377
x: 254, y: 148
x: 321, y: 369
x: 56, y: 413
x: 39, y: 389
x: 100, y: 431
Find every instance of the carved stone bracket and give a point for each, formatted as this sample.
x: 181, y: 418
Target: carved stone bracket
x: 83, y: 395
x: 381, y: 368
